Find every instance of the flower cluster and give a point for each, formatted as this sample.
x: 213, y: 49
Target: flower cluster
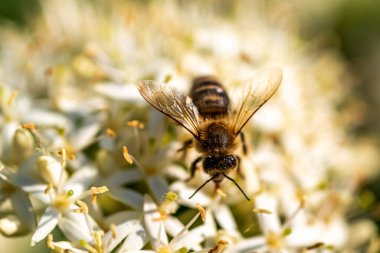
x: 85, y: 159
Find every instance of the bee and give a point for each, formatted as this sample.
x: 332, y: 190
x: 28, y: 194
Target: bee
x: 207, y: 114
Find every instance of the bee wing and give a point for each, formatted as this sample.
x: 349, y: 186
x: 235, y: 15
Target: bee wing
x: 256, y: 91
x: 172, y: 103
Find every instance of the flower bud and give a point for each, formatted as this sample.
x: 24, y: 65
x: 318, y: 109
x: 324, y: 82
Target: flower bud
x: 22, y: 146
x: 9, y: 226
x: 50, y: 169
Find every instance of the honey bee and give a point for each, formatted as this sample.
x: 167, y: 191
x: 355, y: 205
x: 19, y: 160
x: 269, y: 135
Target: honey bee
x: 206, y: 113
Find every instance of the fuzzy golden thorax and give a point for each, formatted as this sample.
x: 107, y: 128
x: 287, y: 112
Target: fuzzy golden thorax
x: 216, y: 138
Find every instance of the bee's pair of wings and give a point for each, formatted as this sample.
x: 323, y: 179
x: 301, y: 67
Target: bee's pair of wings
x: 176, y: 105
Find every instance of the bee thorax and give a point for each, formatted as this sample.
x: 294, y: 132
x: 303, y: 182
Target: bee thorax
x: 216, y: 139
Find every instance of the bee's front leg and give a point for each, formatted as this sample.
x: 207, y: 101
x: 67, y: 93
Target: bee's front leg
x: 238, y: 167
x: 186, y: 145
x: 244, y: 144
x: 193, y: 168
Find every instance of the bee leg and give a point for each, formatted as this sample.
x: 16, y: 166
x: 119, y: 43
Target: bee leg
x: 193, y: 168
x: 186, y: 145
x: 244, y: 144
x: 238, y: 167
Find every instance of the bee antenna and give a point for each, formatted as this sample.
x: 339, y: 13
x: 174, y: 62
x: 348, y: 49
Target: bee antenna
x: 208, y: 180
x: 245, y: 195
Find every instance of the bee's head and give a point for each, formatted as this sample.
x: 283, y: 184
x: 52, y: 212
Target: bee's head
x: 218, y: 167
x: 219, y: 164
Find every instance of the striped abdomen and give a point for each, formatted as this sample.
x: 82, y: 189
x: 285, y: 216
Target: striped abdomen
x: 210, y: 97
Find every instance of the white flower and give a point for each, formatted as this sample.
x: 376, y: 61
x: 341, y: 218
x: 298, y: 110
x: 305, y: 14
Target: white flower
x: 183, y: 237
x: 64, y: 194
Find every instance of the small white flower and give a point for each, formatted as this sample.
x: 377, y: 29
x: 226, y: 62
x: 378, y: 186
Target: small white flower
x: 63, y: 197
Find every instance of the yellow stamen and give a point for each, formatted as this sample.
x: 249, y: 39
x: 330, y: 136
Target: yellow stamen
x: 219, y: 247
x: 164, y: 249
x: 99, y: 190
x: 171, y: 196
x: 260, y: 210
x: 83, y: 208
x: 62, y: 152
x: 202, y: 211
x: 98, y: 239
x: 111, y: 133
x: 48, y: 188
x: 94, y: 199
x: 126, y: 155
x: 221, y: 193
x: 300, y: 195
x: 113, y: 230
x: 50, y: 242
x: 136, y: 124
x: 88, y: 247
x: 67, y: 154
x: 274, y: 240
x: 29, y: 126
x: 163, y: 216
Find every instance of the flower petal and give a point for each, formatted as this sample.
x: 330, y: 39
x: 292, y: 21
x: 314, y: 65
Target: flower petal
x: 85, y: 135
x: 225, y: 218
x: 268, y: 222
x: 124, y: 177
x: 119, y: 92
x: 129, y: 197
x: 184, y: 192
x: 67, y: 246
x: 121, y: 231
x: 158, y: 186
x: 155, y: 227
x: 75, y: 229
x: 135, y: 240
x: 23, y: 209
x: 123, y: 216
x: 46, y: 224
x: 81, y: 180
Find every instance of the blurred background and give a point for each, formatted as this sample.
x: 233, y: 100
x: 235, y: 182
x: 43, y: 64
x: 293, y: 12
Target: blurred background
x: 349, y: 28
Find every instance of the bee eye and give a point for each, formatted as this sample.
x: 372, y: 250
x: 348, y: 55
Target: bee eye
x: 231, y: 161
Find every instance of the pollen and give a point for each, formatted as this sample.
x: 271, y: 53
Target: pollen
x: 62, y: 202
x: 113, y: 230
x: 83, y: 208
x: 98, y: 239
x: 50, y: 242
x: 135, y: 124
x: 260, y: 210
x: 99, y: 190
x: 202, y: 211
x: 126, y: 155
x: 63, y: 152
x: 88, y: 247
x: 29, y: 126
x: 164, y: 249
x: 300, y: 195
x: 275, y: 240
x: 219, y: 247
x: 221, y: 193
x: 48, y: 188
x: 171, y: 196
x: 163, y: 216
x: 111, y: 133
